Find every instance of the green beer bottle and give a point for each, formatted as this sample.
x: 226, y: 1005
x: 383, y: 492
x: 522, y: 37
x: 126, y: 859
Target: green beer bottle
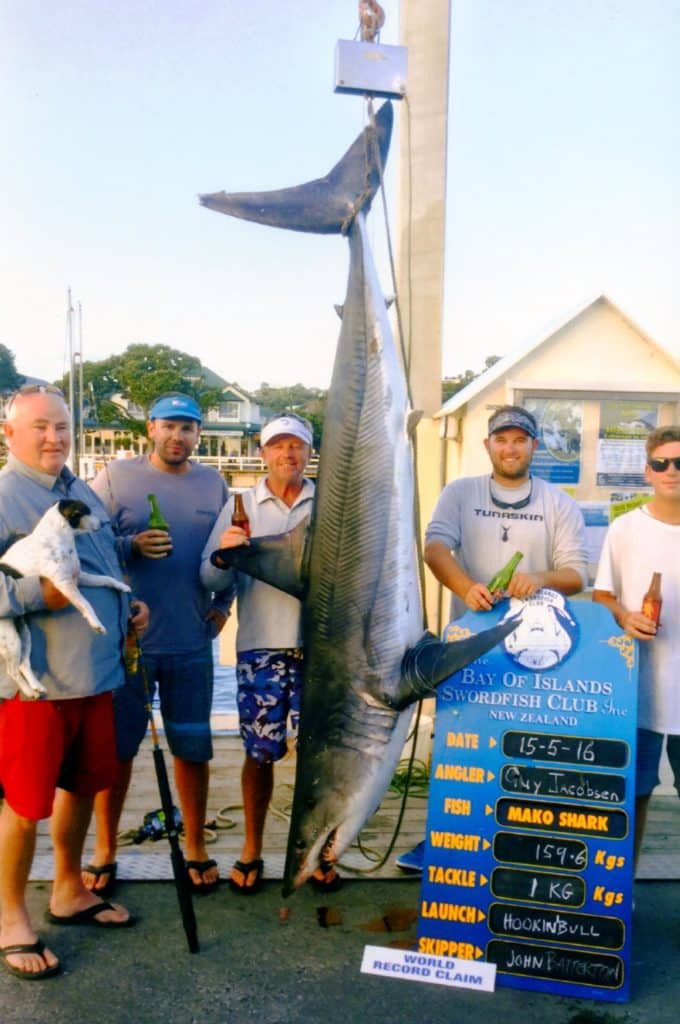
x: 502, y: 578
x: 157, y: 520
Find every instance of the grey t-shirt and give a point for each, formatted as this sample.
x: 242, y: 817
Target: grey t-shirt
x: 549, y: 531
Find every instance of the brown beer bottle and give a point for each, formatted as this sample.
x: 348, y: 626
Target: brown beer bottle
x: 239, y: 516
x: 651, y: 602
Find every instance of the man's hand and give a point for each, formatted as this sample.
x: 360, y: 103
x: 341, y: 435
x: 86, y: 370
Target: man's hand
x: 523, y: 584
x: 233, y: 537
x: 139, y: 616
x: 152, y: 543
x: 53, y: 598
x: 637, y: 625
x: 218, y: 617
x: 479, y: 598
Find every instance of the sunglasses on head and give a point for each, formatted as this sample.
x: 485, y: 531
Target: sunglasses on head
x: 661, y: 465
x: 34, y: 389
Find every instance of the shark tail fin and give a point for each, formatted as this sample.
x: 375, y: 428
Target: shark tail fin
x: 326, y: 205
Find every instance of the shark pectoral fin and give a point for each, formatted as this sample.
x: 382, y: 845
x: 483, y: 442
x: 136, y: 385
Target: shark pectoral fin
x: 277, y: 560
x: 432, y: 661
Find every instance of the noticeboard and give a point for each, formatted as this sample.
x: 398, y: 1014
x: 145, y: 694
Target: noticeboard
x: 529, y: 842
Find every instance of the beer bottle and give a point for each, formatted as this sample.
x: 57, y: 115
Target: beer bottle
x: 239, y: 516
x: 157, y: 520
x: 502, y: 578
x: 651, y: 602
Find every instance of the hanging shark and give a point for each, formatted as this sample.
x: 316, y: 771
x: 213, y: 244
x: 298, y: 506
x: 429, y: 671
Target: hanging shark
x: 368, y: 657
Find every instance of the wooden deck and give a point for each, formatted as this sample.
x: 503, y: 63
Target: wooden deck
x: 149, y: 860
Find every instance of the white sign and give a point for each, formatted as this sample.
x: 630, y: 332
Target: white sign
x: 437, y: 970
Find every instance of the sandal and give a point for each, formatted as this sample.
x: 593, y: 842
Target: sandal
x: 202, y: 888
x: 28, y: 947
x: 107, y: 890
x: 246, y: 869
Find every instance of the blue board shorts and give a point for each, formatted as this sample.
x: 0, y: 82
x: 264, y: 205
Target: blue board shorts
x: 185, y: 687
x: 269, y: 689
x: 649, y: 747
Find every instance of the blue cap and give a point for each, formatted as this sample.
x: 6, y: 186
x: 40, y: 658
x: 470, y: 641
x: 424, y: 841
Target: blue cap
x: 175, y: 407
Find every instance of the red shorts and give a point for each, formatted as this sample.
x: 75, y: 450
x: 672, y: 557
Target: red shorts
x: 50, y: 743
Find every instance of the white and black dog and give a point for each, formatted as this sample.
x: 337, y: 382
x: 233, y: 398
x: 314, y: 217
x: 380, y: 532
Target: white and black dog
x: 50, y: 551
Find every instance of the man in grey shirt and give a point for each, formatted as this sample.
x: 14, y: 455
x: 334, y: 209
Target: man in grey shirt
x: 480, y: 521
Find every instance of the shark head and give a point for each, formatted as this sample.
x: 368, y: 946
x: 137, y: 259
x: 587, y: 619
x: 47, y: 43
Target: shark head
x: 346, y: 780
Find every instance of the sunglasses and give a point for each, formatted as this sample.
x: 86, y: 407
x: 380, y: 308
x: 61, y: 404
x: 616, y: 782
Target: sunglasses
x: 661, y: 465
x: 34, y: 389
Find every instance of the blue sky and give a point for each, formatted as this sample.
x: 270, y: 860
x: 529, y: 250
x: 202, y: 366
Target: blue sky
x: 563, y: 171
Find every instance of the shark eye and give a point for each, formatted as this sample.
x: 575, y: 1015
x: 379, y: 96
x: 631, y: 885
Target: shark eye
x: 300, y: 844
x: 311, y: 803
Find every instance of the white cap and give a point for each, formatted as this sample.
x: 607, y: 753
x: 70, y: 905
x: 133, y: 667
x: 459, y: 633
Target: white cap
x: 286, y: 425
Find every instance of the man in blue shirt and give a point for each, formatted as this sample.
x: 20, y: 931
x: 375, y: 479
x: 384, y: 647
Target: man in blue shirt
x: 163, y: 569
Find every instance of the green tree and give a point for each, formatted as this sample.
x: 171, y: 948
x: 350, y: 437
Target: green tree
x: 10, y: 379
x: 308, y: 402
x: 139, y: 375
x: 451, y: 385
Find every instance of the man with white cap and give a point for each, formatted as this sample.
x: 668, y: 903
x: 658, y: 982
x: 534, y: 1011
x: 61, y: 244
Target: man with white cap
x: 269, y: 656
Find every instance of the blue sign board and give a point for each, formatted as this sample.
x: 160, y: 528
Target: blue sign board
x: 529, y: 843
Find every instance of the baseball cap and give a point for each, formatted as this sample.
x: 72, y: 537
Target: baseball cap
x: 175, y: 406
x: 287, y: 423
x: 513, y: 416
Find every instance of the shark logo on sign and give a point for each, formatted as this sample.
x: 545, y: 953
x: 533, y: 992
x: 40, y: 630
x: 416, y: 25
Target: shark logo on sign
x: 546, y: 632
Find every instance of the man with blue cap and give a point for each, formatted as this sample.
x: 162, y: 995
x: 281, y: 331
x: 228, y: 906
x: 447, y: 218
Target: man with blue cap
x: 163, y: 570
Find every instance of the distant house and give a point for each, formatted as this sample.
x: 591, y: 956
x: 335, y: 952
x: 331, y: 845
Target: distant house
x: 230, y: 429
x: 233, y: 426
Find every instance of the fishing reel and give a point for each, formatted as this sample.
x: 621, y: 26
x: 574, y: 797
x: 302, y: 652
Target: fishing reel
x: 154, y: 826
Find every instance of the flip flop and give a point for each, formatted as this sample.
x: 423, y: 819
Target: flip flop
x: 202, y: 888
x: 330, y: 882
x: 103, y: 869
x: 247, y: 869
x: 28, y: 947
x: 89, y: 917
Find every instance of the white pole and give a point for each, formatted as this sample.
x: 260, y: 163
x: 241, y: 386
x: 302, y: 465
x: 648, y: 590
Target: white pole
x: 81, y: 424
x: 71, y: 461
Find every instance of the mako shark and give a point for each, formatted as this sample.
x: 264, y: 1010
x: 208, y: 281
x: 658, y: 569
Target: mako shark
x: 368, y: 657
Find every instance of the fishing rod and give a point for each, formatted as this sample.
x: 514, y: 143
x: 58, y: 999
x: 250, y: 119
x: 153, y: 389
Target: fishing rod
x: 172, y: 826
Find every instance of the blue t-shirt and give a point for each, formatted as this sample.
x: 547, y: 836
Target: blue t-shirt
x: 191, y: 503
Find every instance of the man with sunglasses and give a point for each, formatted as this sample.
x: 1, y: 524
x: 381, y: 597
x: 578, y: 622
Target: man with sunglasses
x: 163, y: 569
x: 638, y: 544
x: 480, y: 521
x: 55, y: 753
